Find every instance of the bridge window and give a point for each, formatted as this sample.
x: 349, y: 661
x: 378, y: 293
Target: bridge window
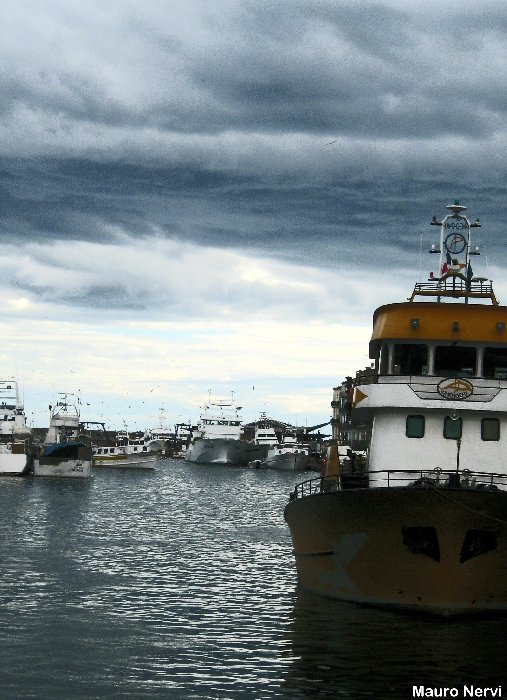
x: 452, y: 428
x: 410, y: 358
x: 414, y: 427
x: 495, y: 363
x: 455, y: 361
x: 490, y: 429
x: 384, y: 359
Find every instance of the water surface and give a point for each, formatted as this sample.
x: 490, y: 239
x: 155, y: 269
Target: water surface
x: 180, y: 583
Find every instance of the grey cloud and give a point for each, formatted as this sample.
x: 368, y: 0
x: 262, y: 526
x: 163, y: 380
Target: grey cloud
x: 142, y: 125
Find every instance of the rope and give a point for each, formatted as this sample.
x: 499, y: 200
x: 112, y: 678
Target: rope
x: 465, y: 507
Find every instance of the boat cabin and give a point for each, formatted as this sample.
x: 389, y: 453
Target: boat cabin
x: 440, y: 394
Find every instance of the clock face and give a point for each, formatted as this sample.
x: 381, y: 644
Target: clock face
x: 455, y: 243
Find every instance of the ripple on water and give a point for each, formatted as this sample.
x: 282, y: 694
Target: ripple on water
x: 180, y: 583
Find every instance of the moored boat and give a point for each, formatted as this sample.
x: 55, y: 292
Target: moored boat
x: 285, y: 455
x: 15, y: 435
x: 128, y: 452
x: 65, y: 452
x: 161, y: 437
x: 219, y: 437
x: 424, y: 524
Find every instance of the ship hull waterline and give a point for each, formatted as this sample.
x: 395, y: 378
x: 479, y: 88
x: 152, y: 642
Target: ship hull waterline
x: 438, y: 551
x: 64, y: 468
x: 223, y: 451
x: 14, y: 464
x: 128, y: 461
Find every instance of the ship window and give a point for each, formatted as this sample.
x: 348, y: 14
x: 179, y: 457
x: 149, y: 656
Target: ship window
x: 490, y: 429
x: 414, y: 427
x: 452, y: 428
x: 477, y: 542
x: 495, y: 363
x: 422, y: 540
x: 454, y: 361
x: 384, y: 359
x: 410, y: 358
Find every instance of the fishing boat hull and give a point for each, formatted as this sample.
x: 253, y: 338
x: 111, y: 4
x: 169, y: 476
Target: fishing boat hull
x: 66, y: 468
x: 140, y: 460
x: 442, y: 551
x: 15, y: 459
x: 288, y: 462
x: 223, y: 451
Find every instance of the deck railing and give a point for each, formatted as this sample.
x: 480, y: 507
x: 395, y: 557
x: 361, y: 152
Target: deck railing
x: 456, y: 286
x: 395, y: 478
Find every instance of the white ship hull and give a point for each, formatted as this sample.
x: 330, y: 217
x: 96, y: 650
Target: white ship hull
x: 14, y: 464
x: 222, y: 451
x: 288, y: 462
x: 68, y: 468
x: 146, y: 460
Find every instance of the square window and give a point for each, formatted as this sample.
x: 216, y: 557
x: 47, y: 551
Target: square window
x: 452, y: 428
x: 414, y: 427
x: 490, y: 429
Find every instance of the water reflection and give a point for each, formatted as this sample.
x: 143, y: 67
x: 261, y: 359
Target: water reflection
x: 346, y: 650
x: 180, y: 583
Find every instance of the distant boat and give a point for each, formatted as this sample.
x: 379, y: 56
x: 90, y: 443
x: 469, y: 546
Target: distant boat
x: 286, y: 455
x: 127, y: 453
x: 65, y: 452
x: 15, y: 435
x: 161, y: 437
x: 219, y: 438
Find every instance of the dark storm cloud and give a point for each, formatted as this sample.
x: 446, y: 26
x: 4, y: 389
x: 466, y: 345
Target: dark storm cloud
x: 325, y: 133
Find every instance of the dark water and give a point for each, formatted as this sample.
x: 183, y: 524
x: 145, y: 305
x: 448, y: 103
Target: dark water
x: 180, y: 583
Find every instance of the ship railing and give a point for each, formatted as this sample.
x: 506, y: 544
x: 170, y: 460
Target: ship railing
x: 456, y: 286
x: 396, y: 478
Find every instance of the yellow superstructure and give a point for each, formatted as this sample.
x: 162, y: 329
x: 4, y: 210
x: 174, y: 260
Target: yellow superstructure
x: 420, y: 321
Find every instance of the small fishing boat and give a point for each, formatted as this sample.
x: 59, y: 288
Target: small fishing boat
x: 424, y: 524
x: 128, y: 452
x: 161, y: 438
x: 285, y: 455
x: 288, y: 456
x: 15, y: 436
x: 65, y: 452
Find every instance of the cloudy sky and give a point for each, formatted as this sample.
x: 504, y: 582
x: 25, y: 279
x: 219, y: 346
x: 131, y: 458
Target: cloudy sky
x: 215, y: 195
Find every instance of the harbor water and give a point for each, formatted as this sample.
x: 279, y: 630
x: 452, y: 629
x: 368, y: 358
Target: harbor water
x: 180, y: 583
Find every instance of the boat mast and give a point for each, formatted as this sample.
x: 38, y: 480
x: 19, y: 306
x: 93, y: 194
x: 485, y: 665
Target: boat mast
x: 455, y: 239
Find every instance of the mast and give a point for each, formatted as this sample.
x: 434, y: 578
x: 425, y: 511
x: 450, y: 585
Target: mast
x: 455, y: 277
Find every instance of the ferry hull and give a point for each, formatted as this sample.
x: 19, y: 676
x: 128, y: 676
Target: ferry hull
x: 440, y: 551
x: 69, y: 468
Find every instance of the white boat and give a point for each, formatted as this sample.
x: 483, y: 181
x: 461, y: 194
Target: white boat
x: 218, y: 439
x: 65, y: 452
x: 285, y: 455
x: 15, y: 435
x: 265, y: 434
x: 161, y: 437
x: 127, y: 453
x: 424, y: 525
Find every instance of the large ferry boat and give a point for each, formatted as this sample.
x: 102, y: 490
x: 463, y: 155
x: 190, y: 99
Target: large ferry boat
x: 15, y: 435
x: 66, y: 452
x: 425, y: 525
